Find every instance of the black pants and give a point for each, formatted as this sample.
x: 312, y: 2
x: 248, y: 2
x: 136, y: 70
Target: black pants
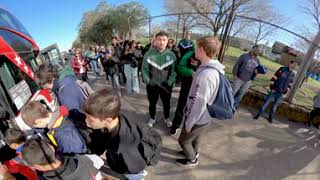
x: 315, y: 112
x: 183, y: 97
x: 153, y: 95
x: 83, y: 77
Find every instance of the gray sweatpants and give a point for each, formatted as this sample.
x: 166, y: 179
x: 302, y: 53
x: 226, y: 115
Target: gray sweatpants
x: 190, y: 142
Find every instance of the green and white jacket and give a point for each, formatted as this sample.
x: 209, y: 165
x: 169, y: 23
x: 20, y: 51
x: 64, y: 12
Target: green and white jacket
x: 159, y: 68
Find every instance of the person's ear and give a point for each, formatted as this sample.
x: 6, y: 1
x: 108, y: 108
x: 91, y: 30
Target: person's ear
x: 108, y: 120
x: 37, y: 122
x: 13, y: 145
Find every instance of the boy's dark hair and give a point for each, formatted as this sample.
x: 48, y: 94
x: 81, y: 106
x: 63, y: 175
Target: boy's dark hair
x: 14, y: 136
x: 255, y: 46
x: 162, y: 33
x: 32, y: 111
x: 38, y: 152
x: 293, y: 62
x: 46, y: 73
x: 102, y: 104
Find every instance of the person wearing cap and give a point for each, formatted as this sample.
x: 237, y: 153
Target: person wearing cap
x: 243, y: 71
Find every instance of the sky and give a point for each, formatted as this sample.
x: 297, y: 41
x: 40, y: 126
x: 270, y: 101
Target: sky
x: 56, y: 21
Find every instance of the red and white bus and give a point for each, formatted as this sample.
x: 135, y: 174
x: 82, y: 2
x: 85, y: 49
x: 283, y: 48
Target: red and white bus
x: 18, y: 61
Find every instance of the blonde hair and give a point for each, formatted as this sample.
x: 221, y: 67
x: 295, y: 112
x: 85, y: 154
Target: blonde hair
x: 211, y: 45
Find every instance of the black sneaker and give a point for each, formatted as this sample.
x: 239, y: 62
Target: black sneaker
x: 256, y: 117
x: 184, y: 154
x: 173, y: 131
x: 187, y: 162
x: 270, y: 120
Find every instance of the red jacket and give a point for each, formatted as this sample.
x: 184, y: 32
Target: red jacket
x: 77, y: 64
x: 14, y: 167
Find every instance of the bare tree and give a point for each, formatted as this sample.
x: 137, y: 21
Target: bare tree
x: 312, y: 9
x: 186, y: 21
x: 215, y: 13
x: 266, y: 12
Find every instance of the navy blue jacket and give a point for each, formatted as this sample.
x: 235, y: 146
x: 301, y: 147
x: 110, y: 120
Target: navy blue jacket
x: 69, y: 93
x: 282, y: 80
x: 66, y: 135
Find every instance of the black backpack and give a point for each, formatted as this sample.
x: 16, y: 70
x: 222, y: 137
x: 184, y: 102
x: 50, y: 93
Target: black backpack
x: 150, y: 146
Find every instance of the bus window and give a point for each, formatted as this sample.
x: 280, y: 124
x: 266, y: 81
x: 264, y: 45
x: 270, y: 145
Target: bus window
x: 17, y: 85
x: 22, y: 47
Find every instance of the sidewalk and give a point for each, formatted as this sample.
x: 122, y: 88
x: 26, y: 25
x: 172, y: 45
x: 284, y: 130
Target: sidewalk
x: 239, y: 149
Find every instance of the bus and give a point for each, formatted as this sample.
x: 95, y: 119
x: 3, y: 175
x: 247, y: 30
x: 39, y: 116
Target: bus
x: 18, y: 62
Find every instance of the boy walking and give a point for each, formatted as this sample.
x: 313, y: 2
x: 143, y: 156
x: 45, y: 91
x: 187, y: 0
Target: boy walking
x: 158, y: 72
x: 280, y: 84
x: 204, y: 90
x: 243, y: 70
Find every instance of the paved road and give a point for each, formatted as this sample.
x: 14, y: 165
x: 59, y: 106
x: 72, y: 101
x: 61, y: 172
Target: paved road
x: 241, y: 149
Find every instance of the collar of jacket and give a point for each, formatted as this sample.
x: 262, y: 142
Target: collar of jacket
x: 57, y: 117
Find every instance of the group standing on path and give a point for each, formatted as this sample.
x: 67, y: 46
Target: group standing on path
x: 69, y: 142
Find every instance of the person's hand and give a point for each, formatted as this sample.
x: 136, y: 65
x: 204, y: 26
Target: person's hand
x: 193, y: 74
x: 235, y: 77
x: 256, y: 71
x: 3, y: 169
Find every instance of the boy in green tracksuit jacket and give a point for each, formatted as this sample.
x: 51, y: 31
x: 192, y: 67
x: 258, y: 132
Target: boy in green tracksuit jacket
x: 158, y: 72
x: 187, y: 67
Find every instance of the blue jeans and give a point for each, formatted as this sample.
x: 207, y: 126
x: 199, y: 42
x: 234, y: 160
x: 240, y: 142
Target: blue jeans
x: 239, y: 88
x: 94, y: 66
x: 134, y: 176
x: 276, y: 97
x: 114, y: 79
x: 132, y: 83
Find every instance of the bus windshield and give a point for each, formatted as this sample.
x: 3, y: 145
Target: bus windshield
x: 9, y: 21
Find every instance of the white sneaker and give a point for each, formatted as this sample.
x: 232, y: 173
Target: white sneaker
x: 168, y: 123
x: 144, y: 173
x: 151, y: 122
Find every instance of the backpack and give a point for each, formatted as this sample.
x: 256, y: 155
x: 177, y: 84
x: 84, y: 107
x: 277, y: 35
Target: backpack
x: 150, y: 146
x: 223, y: 106
x: 63, y: 127
x: 85, y: 88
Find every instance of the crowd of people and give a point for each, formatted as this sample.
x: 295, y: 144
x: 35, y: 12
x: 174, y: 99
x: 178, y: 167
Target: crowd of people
x: 87, y: 131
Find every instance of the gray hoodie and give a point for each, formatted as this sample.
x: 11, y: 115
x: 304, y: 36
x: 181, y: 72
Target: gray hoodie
x: 245, y: 66
x: 203, y: 90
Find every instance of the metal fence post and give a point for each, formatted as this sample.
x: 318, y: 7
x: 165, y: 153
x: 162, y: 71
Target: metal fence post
x: 150, y: 28
x: 177, y: 31
x: 308, y: 58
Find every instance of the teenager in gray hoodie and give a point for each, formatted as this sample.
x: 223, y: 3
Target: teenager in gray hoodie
x: 204, y: 90
x: 243, y: 70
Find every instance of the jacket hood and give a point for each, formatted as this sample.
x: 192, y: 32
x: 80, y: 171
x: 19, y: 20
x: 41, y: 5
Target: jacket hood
x: 215, y: 64
x: 66, y: 71
x: 73, y: 168
x: 58, y: 83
